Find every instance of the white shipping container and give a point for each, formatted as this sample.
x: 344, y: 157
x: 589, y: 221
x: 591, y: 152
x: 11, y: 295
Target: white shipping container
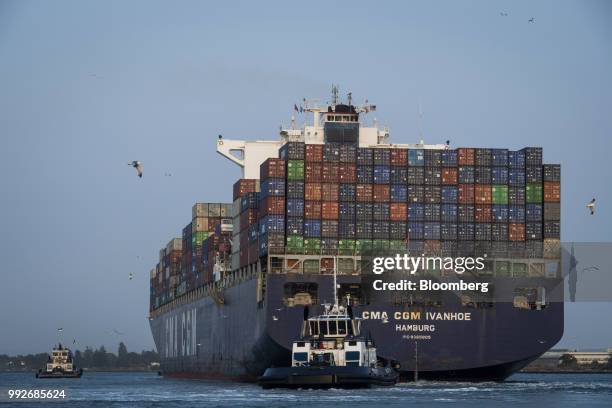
x: 175, y: 244
x: 199, y: 224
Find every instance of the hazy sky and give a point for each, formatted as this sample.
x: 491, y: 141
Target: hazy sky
x: 87, y: 86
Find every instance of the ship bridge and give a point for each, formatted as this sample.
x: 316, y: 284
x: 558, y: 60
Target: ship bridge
x: 332, y: 122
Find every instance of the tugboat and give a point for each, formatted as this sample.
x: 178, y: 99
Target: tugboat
x: 332, y: 353
x: 60, y: 365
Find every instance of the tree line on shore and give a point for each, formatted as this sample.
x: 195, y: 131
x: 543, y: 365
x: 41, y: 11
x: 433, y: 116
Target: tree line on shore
x: 89, y: 359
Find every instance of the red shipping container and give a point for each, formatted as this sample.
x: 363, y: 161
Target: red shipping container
x: 380, y: 193
x: 552, y: 191
x: 516, y: 232
x: 244, y: 186
x: 329, y: 192
x: 247, y: 218
x: 329, y: 172
x: 312, y: 172
x: 399, y: 157
x: 272, y: 205
x: 314, y: 153
x: 482, y: 213
x: 253, y: 252
x: 363, y: 193
x: 329, y: 210
x: 398, y: 211
x: 466, y: 193
x: 347, y: 173
x: 312, y: 191
x: 465, y: 156
x: 272, y: 168
x: 449, y: 175
x: 312, y: 210
x: 483, y: 194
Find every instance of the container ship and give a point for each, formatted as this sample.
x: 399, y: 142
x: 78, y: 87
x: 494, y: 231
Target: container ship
x: 230, y: 296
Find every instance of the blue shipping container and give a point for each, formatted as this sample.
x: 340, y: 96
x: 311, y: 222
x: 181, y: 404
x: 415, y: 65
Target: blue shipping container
x: 346, y: 211
x: 416, y: 157
x: 415, y: 230
x: 516, y: 177
x: 272, y: 223
x: 431, y: 230
x: 364, y: 174
x: 449, y: 194
x: 499, y: 175
x: 295, y: 226
x: 449, y: 158
x: 516, y: 159
x: 466, y: 174
x: 295, y: 207
x: 534, y: 213
x: 448, y: 212
x: 399, y: 193
x: 312, y: 228
x: 382, y: 174
x: 499, y: 213
x: 272, y: 187
x: 516, y: 213
x: 416, y: 212
x: 499, y: 157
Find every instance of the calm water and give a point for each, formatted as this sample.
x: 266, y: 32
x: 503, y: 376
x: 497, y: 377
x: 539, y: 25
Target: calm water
x: 149, y: 390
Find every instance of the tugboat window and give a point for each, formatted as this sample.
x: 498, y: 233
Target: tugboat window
x: 333, y: 328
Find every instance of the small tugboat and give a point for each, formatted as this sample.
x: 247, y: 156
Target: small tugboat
x: 60, y: 365
x: 332, y: 352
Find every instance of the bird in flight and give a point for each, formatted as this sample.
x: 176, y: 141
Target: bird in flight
x: 168, y: 174
x: 532, y: 20
x: 138, y: 166
x: 591, y: 206
x: 59, y: 329
x: 131, y: 276
x: 274, y: 318
x: 117, y: 332
x: 590, y: 268
x: 503, y: 14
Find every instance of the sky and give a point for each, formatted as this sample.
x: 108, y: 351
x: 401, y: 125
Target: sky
x: 86, y: 86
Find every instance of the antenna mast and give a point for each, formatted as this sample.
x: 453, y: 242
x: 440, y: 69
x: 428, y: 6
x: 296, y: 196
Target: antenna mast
x: 334, y: 95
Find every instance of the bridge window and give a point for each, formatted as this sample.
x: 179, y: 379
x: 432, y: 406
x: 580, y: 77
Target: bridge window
x: 300, y: 356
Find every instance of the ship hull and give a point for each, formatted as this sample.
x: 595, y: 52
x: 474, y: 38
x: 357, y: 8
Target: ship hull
x: 241, y: 337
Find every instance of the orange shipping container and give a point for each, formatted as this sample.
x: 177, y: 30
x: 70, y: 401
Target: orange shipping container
x: 449, y: 175
x: 329, y: 210
x: 552, y: 191
x: 483, y: 194
x: 482, y: 213
x: 380, y: 193
x: 312, y: 191
x: 516, y: 232
x: 312, y: 210
x: 466, y: 193
x: 272, y: 168
x: 398, y: 212
x: 363, y: 193
x: 465, y: 156
x: 329, y: 192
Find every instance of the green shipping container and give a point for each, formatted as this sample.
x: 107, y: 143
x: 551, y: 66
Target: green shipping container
x: 362, y: 245
x: 295, y: 170
x: 198, y: 237
x: 380, y: 245
x: 519, y: 269
x: 502, y: 269
x: 399, y: 246
x: 346, y: 266
x: 312, y: 245
x: 295, y: 242
x: 533, y: 193
x: 499, y: 194
x: 346, y: 246
x: 311, y: 266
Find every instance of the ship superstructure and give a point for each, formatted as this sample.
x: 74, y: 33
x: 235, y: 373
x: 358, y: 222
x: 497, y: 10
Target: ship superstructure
x: 229, y: 301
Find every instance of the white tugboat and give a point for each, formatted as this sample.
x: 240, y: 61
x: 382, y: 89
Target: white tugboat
x: 60, y: 365
x: 332, y: 352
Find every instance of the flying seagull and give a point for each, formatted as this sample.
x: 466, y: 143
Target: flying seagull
x: 59, y: 329
x: 274, y: 318
x: 117, y: 332
x: 168, y: 174
x: 138, y: 166
x: 131, y: 276
x: 591, y: 206
x: 503, y: 14
x: 590, y: 268
x: 532, y: 20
